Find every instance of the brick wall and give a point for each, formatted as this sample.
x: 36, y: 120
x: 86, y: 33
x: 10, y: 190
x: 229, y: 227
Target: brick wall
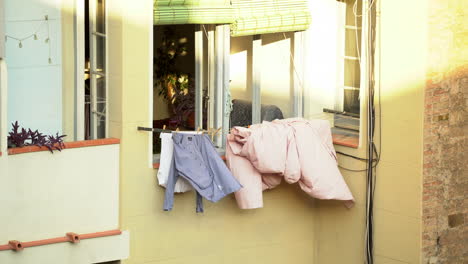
x: 445, y: 181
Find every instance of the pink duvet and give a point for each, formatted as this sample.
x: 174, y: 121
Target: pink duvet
x: 295, y: 150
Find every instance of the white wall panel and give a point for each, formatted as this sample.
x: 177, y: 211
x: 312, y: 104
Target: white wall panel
x: 2, y: 29
x: 34, y: 98
x: 34, y: 84
x: 44, y: 195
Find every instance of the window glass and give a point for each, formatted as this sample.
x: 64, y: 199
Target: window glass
x: 95, y: 83
x: 101, y: 16
x: 352, y: 73
x: 174, y: 79
x: 241, y: 80
x: 277, y: 76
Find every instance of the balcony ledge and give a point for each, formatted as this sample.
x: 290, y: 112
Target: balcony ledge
x: 68, y: 145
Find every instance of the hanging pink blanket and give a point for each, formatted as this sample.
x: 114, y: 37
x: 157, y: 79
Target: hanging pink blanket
x: 295, y: 149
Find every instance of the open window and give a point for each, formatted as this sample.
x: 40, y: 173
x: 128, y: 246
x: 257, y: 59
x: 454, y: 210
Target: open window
x: 267, y: 60
x: 95, y: 90
x: 266, y: 77
x: 346, y: 119
x: 334, y: 61
x: 189, y: 79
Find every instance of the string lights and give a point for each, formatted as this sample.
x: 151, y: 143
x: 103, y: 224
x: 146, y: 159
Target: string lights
x: 35, y: 36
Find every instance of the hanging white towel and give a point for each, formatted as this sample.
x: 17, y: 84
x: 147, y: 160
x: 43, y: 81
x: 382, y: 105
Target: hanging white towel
x: 167, y: 149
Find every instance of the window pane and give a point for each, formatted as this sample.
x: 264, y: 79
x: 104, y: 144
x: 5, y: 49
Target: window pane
x: 351, y: 47
x: 100, y: 54
x: 277, y: 77
x: 173, y: 79
x: 350, y: 18
x: 352, y: 73
x: 101, y: 110
x: 351, y: 101
x: 241, y: 78
x: 101, y: 16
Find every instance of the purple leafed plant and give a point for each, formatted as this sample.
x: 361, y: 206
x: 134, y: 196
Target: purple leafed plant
x: 20, y: 137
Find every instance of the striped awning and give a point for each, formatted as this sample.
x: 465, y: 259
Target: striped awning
x: 176, y: 12
x: 269, y: 16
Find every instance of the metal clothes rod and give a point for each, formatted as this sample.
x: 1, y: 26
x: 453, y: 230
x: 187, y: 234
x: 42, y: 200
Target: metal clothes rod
x: 159, y: 130
x: 70, y: 237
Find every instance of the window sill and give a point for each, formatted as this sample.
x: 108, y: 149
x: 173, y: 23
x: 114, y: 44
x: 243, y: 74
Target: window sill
x: 68, y: 145
x: 347, y: 140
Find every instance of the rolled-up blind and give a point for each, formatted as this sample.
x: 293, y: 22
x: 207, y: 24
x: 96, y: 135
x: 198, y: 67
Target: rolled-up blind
x: 269, y: 16
x: 173, y: 12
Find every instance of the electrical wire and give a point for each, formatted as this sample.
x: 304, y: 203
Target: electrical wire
x: 34, y: 35
x: 371, y: 147
x: 373, y: 155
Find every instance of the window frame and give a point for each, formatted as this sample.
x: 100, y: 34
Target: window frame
x: 80, y: 39
x: 341, y: 85
x: 218, y: 40
x: 217, y: 64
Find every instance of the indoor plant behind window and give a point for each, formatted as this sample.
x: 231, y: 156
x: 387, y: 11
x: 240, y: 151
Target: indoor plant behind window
x: 176, y: 87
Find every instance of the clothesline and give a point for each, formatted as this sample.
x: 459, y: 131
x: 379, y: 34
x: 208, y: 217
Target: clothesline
x: 302, y: 153
x: 326, y: 115
x: 212, y: 132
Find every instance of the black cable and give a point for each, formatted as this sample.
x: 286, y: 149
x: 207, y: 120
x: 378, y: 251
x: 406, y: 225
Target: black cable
x: 355, y: 157
x: 371, y: 147
x: 373, y: 155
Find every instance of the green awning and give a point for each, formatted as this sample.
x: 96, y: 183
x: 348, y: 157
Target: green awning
x: 269, y: 16
x: 174, y: 12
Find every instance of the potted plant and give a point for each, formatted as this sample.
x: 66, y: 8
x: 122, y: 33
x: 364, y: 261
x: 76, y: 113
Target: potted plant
x: 20, y: 137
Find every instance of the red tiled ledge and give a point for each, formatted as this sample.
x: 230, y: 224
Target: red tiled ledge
x: 347, y: 141
x: 68, y: 145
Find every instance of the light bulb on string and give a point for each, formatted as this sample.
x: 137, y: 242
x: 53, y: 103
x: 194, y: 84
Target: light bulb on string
x: 20, y: 44
x: 47, y: 40
x: 35, y: 36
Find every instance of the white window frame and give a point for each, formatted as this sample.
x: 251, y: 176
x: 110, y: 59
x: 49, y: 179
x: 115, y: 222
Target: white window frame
x: 80, y: 66
x: 218, y: 38
x: 342, y: 27
x: 216, y: 79
x: 297, y: 70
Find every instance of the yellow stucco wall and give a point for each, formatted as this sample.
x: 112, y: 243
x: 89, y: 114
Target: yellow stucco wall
x: 282, y: 232
x: 292, y: 228
x: 340, y: 234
